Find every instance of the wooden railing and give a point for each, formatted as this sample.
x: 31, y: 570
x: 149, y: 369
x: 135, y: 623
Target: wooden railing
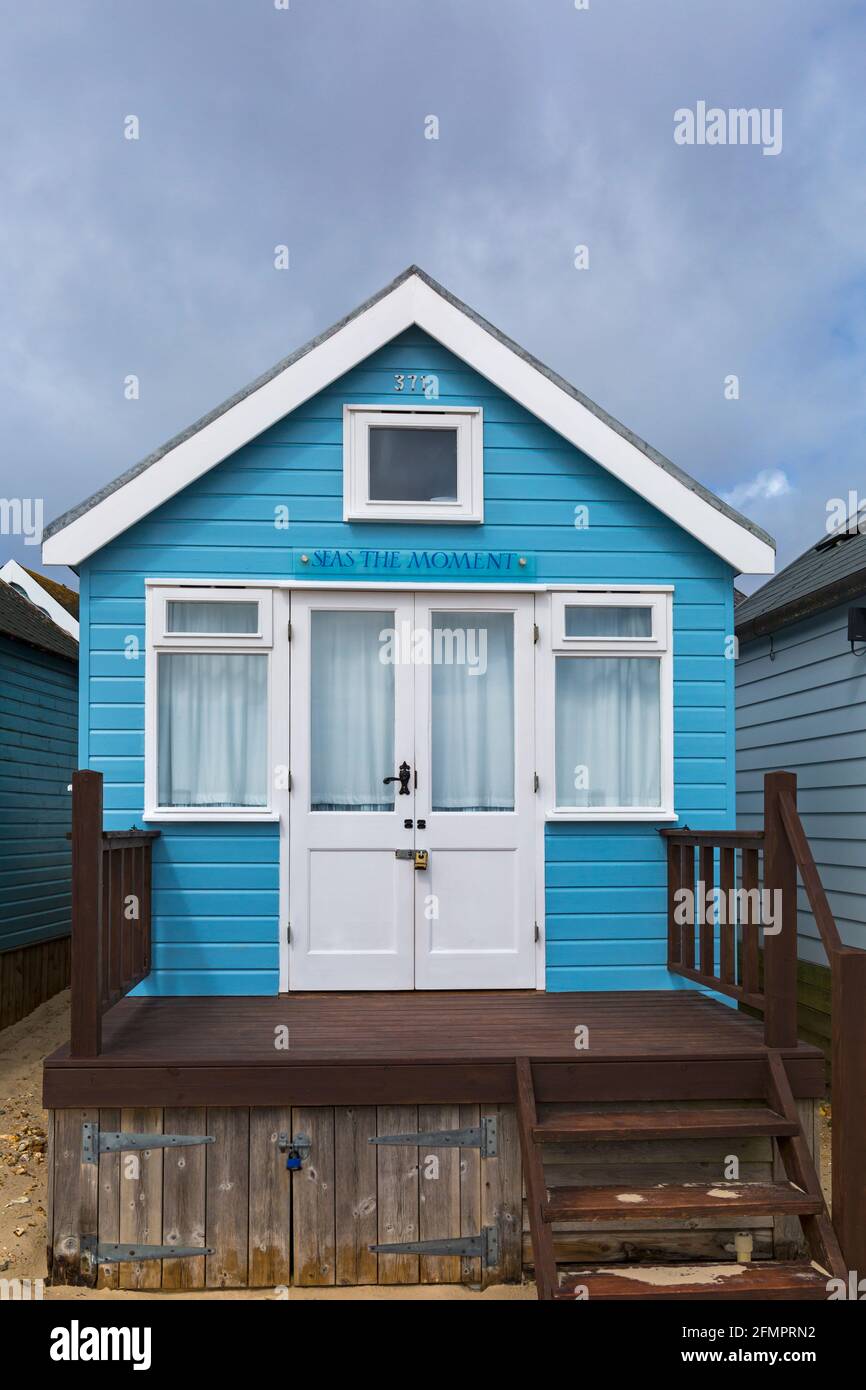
x: 111, y: 913
x: 724, y: 955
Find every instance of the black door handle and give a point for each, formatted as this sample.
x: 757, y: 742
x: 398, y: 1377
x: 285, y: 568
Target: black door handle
x: 403, y: 778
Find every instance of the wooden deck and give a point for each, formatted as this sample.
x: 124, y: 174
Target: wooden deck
x: 392, y: 1048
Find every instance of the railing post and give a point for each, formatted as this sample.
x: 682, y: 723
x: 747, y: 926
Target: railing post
x: 86, y: 975
x: 780, y: 949
x: 849, y: 1104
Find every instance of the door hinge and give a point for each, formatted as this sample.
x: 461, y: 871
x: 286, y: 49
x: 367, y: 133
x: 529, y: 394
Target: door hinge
x: 289, y: 631
x: 483, y: 1137
x: 484, y: 1246
x: 535, y: 782
x: 288, y: 931
x: 95, y: 1141
x: 537, y: 932
x: 94, y: 1253
x: 535, y: 632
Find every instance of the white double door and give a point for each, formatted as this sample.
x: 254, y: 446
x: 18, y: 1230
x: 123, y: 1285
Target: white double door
x: 435, y: 693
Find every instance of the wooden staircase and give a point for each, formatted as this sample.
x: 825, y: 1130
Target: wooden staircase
x: 799, y: 1195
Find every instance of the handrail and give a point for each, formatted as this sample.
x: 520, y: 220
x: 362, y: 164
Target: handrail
x: 111, y: 913
x: 824, y: 919
x: 786, y: 852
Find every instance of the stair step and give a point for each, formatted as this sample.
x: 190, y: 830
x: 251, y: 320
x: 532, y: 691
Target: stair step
x: 662, y: 1124
x: 768, y: 1279
x: 679, y: 1201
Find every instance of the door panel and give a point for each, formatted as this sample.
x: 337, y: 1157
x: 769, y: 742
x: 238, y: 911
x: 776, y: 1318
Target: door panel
x: 351, y: 726
x: 474, y: 905
x: 443, y: 684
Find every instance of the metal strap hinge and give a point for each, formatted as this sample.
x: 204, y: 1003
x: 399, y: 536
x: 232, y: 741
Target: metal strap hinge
x: 95, y: 1141
x: 483, y: 1137
x: 95, y: 1253
x: 484, y: 1246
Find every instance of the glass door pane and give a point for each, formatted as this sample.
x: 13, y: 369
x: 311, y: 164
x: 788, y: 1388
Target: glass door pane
x: 472, y: 710
x: 352, y: 710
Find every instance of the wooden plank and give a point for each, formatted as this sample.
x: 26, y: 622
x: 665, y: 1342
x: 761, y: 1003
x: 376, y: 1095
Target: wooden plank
x: 86, y: 1013
x: 708, y: 926
x: 674, y: 885
x: 141, y: 1200
x: 802, y: 851
x: 627, y: 1126
x: 184, y: 1198
x: 109, y: 1200
x: 780, y: 947
x: 675, y: 1076
x: 687, y: 881
x: 76, y: 1197
x: 727, y: 955
x: 313, y: 1205
x: 678, y: 1201
x: 356, y: 1222
x: 849, y: 1109
x: 470, y: 1194
x: 397, y: 1185
x: 749, y: 931
x: 270, y: 1199
x: 227, y: 1168
x: 536, y: 1188
x: 502, y: 1196
x: 730, y: 1281
x: 438, y: 1195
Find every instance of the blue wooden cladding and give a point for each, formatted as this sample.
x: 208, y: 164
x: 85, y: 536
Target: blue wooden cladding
x: 38, y: 732
x: 215, y: 919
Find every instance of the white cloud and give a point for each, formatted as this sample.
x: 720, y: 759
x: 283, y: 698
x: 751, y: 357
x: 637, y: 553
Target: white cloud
x: 764, y: 487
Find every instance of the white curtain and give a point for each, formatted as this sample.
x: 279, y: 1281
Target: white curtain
x: 212, y: 729
x: 608, y: 731
x: 352, y: 733
x: 607, y: 620
x: 199, y: 615
x: 472, y: 681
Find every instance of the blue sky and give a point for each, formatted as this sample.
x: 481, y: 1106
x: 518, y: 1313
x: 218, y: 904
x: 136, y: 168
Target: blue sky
x: 305, y: 126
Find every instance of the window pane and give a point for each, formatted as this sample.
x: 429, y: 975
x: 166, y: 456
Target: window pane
x: 413, y: 465
x: 599, y: 620
x: 196, y: 615
x: 472, y: 675
x: 608, y: 731
x: 212, y: 729
x: 352, y: 722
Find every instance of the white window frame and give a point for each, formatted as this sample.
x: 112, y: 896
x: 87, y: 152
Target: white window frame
x: 159, y: 641
x: 469, y: 423
x: 659, y: 647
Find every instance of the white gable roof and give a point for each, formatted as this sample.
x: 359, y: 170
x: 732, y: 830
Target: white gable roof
x: 412, y: 299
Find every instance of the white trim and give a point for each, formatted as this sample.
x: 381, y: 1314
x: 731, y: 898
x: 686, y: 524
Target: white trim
x: 157, y: 643
x: 551, y: 647
x: 162, y: 595
x: 468, y: 421
x: 13, y: 573
x: 564, y: 643
x: 412, y: 585
x: 412, y: 302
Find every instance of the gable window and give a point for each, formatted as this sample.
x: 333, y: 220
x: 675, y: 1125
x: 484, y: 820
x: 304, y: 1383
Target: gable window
x: 412, y: 464
x: 612, y: 691
x: 207, y: 721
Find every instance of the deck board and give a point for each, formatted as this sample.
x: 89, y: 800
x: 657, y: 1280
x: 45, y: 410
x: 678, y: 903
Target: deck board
x: 375, y: 1048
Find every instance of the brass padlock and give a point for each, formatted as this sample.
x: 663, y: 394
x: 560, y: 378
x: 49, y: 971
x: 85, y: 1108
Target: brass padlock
x: 421, y: 857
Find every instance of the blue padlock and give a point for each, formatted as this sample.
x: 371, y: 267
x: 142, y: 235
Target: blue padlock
x: 296, y: 1149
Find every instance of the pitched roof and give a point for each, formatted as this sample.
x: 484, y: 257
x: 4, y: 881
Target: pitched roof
x: 829, y: 572
x: 414, y: 298
x: 66, y: 597
x: 24, y: 622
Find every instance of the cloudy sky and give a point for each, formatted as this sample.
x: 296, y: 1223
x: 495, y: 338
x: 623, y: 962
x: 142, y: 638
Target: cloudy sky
x: 305, y: 126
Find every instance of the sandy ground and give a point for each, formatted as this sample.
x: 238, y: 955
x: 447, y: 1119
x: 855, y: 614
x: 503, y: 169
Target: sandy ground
x: 24, y: 1183
x: 24, y: 1186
